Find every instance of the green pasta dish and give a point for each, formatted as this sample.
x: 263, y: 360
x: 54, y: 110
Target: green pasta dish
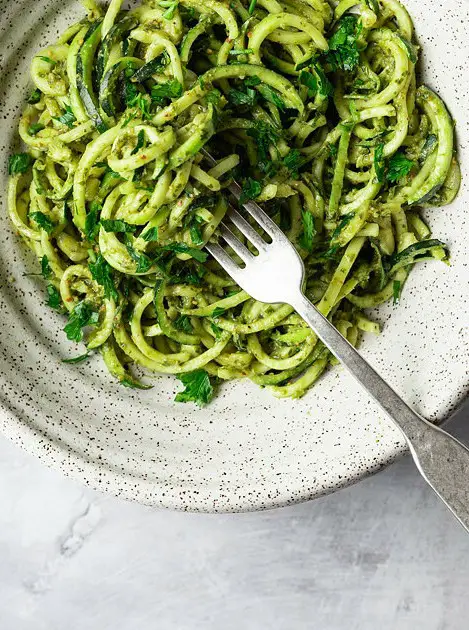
x: 314, y: 108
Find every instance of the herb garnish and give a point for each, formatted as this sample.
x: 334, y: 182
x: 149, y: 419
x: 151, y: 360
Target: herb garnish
x: 183, y: 323
x: 170, y: 89
x: 217, y: 311
x: 53, y: 297
x: 42, y: 221
x: 117, y: 225
x: 34, y: 97
x: 101, y: 271
x: 68, y: 118
x: 82, y: 315
x: 170, y: 6
x: 92, y: 221
x: 35, y: 128
x: 79, y: 359
x: 46, y: 271
x: 309, y: 231
x: 151, y: 234
x: 250, y: 190
x: 19, y: 163
x: 399, y: 166
x: 198, y: 388
x: 343, y: 45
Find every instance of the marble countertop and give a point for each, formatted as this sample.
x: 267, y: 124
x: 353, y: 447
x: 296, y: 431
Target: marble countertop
x: 383, y: 554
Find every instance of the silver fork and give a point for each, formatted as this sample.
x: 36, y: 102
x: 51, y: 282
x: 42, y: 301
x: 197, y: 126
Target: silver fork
x: 275, y: 275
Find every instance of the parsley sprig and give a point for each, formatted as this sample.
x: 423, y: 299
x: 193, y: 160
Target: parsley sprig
x: 198, y: 388
x: 19, y: 163
x: 82, y: 315
x: 344, y: 53
x: 101, y: 271
x: 399, y: 166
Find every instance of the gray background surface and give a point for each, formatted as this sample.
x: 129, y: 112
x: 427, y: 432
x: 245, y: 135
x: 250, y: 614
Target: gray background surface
x: 382, y: 555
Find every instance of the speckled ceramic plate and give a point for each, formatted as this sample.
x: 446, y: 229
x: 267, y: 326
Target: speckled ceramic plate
x: 247, y: 450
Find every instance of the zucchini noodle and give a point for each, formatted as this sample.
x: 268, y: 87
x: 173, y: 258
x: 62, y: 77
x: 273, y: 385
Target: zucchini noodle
x: 314, y: 108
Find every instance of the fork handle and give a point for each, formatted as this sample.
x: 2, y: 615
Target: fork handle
x: 440, y: 458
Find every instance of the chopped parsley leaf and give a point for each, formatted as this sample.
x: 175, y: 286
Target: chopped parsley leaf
x: 237, y: 97
x: 198, y: 388
x: 43, y: 221
x: 399, y: 166
x: 170, y: 6
x: 265, y: 136
x: 130, y: 93
x: 183, y: 323
x: 143, y: 261
x: 53, y: 297
x: 101, y: 271
x: 68, y: 118
x: 331, y: 252
x: 250, y: 190
x: 140, y: 142
x: 35, y: 128
x: 79, y: 359
x: 92, y: 221
x: 204, y: 201
x: 82, y: 315
x: 19, y: 163
x: 252, y: 81
x: 46, y: 271
x: 117, y: 225
x: 140, y: 102
x: 34, y: 97
x: 182, y: 248
x: 217, y: 312
x: 188, y: 274
x: 309, y: 231
x: 170, y: 89
x: 196, y: 233
x: 46, y: 59
x: 271, y: 96
x: 294, y: 160
x: 343, y: 51
x: 217, y: 331
x: 316, y: 81
x: 134, y: 384
x: 343, y: 222
x: 213, y: 97
x: 308, y: 79
x: 151, y: 235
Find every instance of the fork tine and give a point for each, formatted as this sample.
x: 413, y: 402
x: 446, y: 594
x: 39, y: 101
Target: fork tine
x: 257, y: 213
x: 245, y: 228
x: 222, y: 257
x: 235, y: 244
x: 254, y: 210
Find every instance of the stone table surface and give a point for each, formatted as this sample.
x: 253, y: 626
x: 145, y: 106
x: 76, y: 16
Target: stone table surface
x: 382, y: 555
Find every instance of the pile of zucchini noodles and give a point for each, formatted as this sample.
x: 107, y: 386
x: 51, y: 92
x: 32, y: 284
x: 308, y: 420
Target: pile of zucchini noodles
x: 313, y: 108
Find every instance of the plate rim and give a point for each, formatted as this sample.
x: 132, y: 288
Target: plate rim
x: 59, y: 459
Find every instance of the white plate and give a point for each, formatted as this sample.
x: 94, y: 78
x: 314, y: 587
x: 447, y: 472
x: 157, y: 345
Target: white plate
x: 247, y: 450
